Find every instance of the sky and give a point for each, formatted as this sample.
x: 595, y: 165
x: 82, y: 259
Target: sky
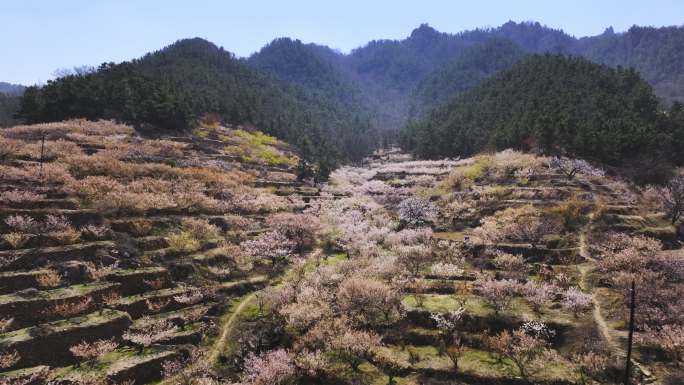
x: 40, y: 37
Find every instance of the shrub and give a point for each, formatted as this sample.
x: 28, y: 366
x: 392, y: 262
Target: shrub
x: 69, y: 308
x: 49, y: 279
x: 256, y: 138
x: 571, y: 213
x: 23, y: 223
x: 9, y: 149
x: 483, y: 164
x: 183, y: 241
x: 16, y: 239
x: 513, y: 265
x: 92, y: 231
x: 200, y: 228
x: 18, y: 196
x: 8, y: 359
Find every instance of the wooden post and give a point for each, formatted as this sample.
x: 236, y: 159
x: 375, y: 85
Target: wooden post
x: 628, y: 363
x: 42, y: 152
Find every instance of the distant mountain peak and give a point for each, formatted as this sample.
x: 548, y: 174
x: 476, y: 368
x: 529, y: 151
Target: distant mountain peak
x: 193, y: 44
x: 424, y: 31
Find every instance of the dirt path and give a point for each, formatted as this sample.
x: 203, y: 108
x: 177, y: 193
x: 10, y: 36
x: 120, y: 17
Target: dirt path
x: 597, y: 312
x: 220, y: 343
x: 609, y: 335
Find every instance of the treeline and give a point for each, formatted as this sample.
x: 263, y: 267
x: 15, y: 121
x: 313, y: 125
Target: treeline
x: 556, y: 105
x: 9, y: 104
x: 172, y: 88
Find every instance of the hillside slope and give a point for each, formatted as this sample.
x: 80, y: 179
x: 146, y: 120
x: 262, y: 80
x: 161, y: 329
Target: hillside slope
x: 129, y: 247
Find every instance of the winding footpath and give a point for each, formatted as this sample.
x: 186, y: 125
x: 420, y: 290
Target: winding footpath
x: 221, y: 342
x: 608, y: 334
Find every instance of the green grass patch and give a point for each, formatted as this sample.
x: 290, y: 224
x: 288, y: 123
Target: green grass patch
x: 442, y: 303
x: 256, y: 138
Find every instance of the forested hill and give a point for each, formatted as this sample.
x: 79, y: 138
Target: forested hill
x: 556, y: 104
x: 11, y: 89
x: 174, y: 87
x: 308, y: 65
x: 477, y: 63
x: 395, y: 77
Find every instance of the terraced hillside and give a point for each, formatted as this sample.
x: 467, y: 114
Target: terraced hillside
x: 201, y: 260
x: 498, y: 269
x: 120, y: 255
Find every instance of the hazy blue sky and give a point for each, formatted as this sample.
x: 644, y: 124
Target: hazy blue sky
x: 38, y: 37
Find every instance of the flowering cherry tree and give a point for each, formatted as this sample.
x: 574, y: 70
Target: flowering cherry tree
x: 671, y: 198
x: 414, y: 257
x: 154, y: 330
x: 354, y: 347
x: 499, y: 293
x: 86, y: 351
x: 539, y: 295
x: 271, y: 368
x: 524, y: 350
x: 670, y: 338
x: 416, y: 211
x: 571, y: 167
x: 365, y: 299
x: 272, y: 245
x: 446, y: 271
x: 576, y: 301
x: 298, y: 228
x: 448, y: 323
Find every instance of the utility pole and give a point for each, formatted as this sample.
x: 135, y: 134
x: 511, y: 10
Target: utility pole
x: 628, y: 364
